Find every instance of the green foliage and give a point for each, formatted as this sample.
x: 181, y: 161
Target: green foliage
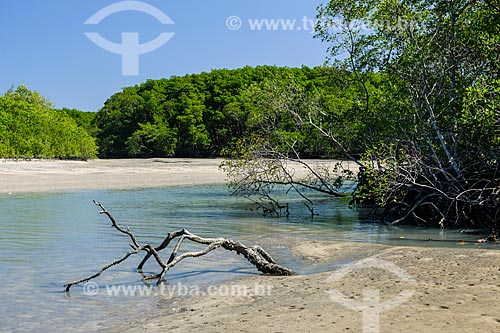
x: 443, y: 62
x: 118, y: 120
x: 377, y: 175
x: 84, y: 119
x: 30, y: 128
x: 210, y: 114
x: 152, y: 140
x: 480, y: 117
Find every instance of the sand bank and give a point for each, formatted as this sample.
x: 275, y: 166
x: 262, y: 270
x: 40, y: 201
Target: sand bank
x: 53, y: 175
x: 50, y: 175
x: 444, y: 290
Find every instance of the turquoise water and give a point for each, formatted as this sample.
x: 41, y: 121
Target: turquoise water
x: 49, y: 239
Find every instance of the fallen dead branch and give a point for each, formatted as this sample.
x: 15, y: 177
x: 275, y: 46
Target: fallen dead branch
x: 255, y: 254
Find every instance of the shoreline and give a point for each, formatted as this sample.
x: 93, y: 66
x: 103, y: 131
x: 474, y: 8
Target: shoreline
x: 449, y: 290
x: 21, y: 176
x: 30, y: 176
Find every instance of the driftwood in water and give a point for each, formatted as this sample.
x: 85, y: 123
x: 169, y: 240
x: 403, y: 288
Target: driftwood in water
x: 255, y: 255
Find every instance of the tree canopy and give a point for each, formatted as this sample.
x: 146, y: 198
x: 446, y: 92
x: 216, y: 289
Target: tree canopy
x: 30, y: 128
x: 214, y: 114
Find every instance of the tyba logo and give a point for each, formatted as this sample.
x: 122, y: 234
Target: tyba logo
x: 130, y: 49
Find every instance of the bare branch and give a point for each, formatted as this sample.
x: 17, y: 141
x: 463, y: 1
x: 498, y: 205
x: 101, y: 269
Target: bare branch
x: 255, y: 255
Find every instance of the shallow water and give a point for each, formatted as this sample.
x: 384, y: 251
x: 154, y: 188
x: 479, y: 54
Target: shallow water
x: 49, y: 239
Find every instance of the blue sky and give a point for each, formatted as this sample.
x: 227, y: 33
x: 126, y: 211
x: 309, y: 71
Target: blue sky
x: 43, y: 43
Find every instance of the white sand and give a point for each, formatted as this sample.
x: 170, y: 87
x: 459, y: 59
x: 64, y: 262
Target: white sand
x: 54, y: 175
x: 49, y: 175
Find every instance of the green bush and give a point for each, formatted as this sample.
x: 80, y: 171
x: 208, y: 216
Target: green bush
x: 29, y: 128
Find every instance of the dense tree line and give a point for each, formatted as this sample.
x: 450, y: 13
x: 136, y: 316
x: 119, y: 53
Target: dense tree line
x: 29, y: 128
x: 84, y: 119
x: 219, y: 113
x: 216, y: 113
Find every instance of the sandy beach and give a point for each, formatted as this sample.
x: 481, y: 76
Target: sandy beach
x: 444, y: 290
x: 52, y: 175
x: 17, y: 176
x: 407, y: 289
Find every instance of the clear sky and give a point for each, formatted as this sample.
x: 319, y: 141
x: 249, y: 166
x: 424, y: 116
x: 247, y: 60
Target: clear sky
x: 43, y: 43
